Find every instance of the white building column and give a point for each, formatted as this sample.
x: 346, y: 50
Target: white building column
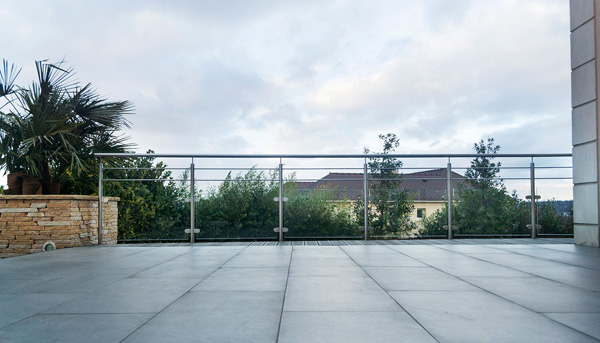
x: 585, y: 93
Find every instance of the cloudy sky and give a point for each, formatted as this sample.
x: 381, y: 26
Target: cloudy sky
x: 312, y: 76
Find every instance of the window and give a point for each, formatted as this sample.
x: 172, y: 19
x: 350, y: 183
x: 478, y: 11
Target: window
x: 420, y: 213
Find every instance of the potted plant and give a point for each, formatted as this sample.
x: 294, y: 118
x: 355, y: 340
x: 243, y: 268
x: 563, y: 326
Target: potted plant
x: 11, y: 134
x: 61, y: 126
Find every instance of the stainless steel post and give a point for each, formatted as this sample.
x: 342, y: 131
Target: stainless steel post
x: 280, y: 201
x: 449, y: 172
x: 533, y: 218
x: 192, y: 204
x: 100, y: 201
x: 366, y: 199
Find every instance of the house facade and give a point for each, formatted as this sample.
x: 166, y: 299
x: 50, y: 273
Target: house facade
x: 427, y: 188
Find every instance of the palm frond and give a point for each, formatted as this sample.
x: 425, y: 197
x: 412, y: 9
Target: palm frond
x: 8, y: 75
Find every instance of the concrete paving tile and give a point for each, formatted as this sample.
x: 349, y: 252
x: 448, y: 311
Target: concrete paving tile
x: 332, y: 283
x: 540, y: 295
x: 572, y: 248
x: 137, y: 262
x: 369, y: 301
x: 588, y: 323
x: 16, y: 307
x: 324, y: 262
x: 205, y: 260
x: 326, y: 283
x: 80, y: 281
x: 548, y: 254
x: 336, y: 294
x: 257, y: 260
x: 318, y: 252
x: 43, y: 270
x: 571, y: 275
x: 474, y: 249
x: 416, y: 279
x: 348, y: 327
x: 267, y: 250
x: 200, y: 252
x: 584, y: 261
x: 477, y: 316
x: 516, y: 247
x: 326, y: 270
x: 473, y: 267
x: 177, y: 269
x: 515, y: 260
x: 384, y: 260
x: 121, y: 302
x: 368, y: 249
x: 424, y: 252
x: 216, y: 317
x: 245, y: 279
x: 141, y: 285
x: 15, y: 285
x: 418, y: 249
x: 85, y: 328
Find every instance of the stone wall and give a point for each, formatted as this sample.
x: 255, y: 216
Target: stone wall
x: 28, y: 222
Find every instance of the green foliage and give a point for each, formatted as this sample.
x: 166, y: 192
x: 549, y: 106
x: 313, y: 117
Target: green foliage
x: 148, y: 209
x: 317, y: 213
x: 53, y: 127
x: 553, y: 220
x: 484, y: 206
x: 483, y: 172
x: 489, y: 210
x: 390, y: 204
x: 241, y: 207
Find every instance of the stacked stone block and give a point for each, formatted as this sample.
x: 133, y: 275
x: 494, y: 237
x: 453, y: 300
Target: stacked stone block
x: 585, y: 99
x: 27, y: 222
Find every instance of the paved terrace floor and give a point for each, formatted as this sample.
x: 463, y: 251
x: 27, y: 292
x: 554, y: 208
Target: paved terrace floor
x: 547, y: 290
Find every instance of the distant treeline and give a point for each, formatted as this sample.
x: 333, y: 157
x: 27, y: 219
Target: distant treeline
x: 562, y: 206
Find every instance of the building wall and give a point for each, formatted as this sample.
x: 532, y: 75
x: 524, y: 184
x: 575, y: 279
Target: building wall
x: 429, y: 206
x: 27, y: 222
x: 585, y: 74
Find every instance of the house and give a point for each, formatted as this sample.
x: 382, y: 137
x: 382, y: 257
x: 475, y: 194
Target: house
x: 427, y: 188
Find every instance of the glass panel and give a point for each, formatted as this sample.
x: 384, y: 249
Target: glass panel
x: 323, y: 208
x: 240, y: 207
x: 149, y: 210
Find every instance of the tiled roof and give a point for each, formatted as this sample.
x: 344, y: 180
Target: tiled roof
x: 427, y: 185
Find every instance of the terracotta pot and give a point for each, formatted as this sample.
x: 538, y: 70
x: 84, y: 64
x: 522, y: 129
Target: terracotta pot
x: 10, y: 191
x: 15, y: 182
x: 32, y: 186
x: 14, y: 190
x: 50, y: 188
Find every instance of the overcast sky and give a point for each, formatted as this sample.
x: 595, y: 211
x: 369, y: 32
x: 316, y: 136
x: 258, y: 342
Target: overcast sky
x: 313, y: 76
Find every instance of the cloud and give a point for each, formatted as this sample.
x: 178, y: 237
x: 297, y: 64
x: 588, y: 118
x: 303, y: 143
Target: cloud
x: 314, y: 77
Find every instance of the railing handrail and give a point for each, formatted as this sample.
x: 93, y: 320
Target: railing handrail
x: 449, y: 177
x: 135, y: 155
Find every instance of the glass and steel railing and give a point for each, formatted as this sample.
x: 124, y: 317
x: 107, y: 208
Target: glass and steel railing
x: 177, y: 197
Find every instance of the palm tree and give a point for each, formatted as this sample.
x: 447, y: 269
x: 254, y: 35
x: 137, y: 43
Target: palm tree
x: 61, y: 124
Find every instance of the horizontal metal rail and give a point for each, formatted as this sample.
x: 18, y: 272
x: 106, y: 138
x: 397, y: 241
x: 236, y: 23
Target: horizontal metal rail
x: 300, y: 156
x: 364, y: 177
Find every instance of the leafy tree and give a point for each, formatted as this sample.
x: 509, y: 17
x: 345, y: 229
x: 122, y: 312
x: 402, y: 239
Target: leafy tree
x: 483, y: 205
x: 389, y: 204
x: 483, y: 172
